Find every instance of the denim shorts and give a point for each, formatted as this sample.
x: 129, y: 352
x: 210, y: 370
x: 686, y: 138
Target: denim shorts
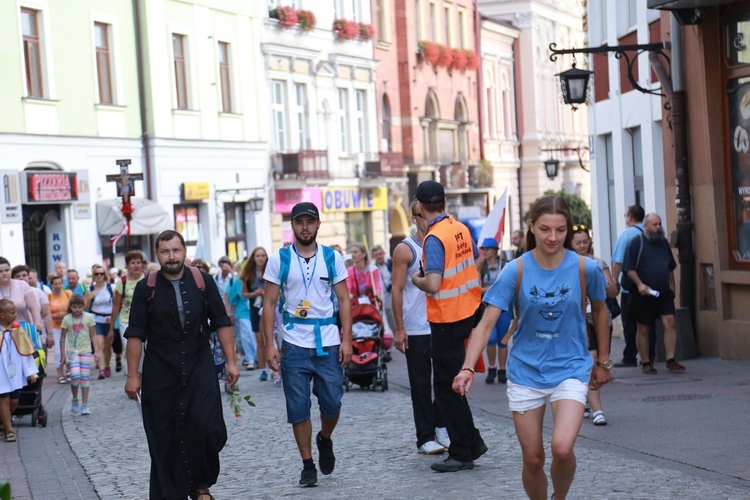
x: 102, y: 328
x: 300, y: 366
x: 522, y: 398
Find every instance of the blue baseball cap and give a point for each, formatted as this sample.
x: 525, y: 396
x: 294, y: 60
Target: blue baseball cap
x: 489, y: 243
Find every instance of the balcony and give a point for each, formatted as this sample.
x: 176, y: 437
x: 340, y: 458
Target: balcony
x: 305, y: 164
x: 454, y: 175
x: 480, y: 176
x: 387, y: 165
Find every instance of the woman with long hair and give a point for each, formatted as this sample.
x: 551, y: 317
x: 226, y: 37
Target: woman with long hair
x: 583, y: 245
x: 548, y: 360
x: 253, y: 289
x: 361, y: 276
x: 99, y: 301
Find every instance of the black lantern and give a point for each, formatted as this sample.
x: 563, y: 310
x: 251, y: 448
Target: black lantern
x: 256, y: 204
x: 574, y: 84
x: 551, y: 167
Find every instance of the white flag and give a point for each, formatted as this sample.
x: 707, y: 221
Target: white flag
x: 494, y: 226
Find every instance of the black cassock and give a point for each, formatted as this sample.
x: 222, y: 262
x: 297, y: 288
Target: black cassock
x: 181, y: 399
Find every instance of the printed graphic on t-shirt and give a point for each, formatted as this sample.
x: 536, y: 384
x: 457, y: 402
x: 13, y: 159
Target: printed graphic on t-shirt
x: 77, y: 327
x: 550, y: 300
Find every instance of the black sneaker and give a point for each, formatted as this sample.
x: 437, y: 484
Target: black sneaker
x: 451, y: 465
x: 326, y: 458
x: 502, y: 377
x: 479, y: 451
x: 626, y: 364
x: 309, y: 476
x: 491, y: 374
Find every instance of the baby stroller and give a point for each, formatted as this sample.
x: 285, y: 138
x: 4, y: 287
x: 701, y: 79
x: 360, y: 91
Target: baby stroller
x: 367, y: 369
x: 30, y: 397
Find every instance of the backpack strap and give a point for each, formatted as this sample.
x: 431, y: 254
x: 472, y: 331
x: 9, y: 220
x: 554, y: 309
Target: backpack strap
x: 514, y: 325
x: 330, y: 259
x: 582, y: 277
x: 285, y: 258
x: 150, y: 285
x: 198, y: 277
x: 124, y: 278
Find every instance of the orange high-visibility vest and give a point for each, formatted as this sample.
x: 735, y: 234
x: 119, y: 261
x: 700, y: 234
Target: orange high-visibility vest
x: 460, y: 290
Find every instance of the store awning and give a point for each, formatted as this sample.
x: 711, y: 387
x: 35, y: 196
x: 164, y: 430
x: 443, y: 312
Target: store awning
x: 148, y: 217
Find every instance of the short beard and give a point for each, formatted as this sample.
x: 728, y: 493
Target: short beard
x: 173, y: 269
x: 655, y: 235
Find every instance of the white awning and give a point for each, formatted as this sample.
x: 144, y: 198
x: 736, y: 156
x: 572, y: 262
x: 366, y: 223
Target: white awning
x: 148, y: 217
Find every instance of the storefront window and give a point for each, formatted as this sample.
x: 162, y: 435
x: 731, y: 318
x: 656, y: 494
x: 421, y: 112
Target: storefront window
x: 738, y: 38
x: 186, y: 223
x: 235, y: 228
x: 358, y: 228
x: 739, y: 155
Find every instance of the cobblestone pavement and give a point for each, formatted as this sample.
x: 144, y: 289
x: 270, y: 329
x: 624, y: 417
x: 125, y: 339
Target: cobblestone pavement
x: 375, y: 450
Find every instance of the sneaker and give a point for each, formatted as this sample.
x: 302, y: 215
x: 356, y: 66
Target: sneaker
x: 263, y: 376
x: 599, y: 418
x: 479, y: 451
x: 250, y: 365
x: 441, y: 436
x: 309, y: 476
x: 674, y: 367
x: 451, y: 465
x: 326, y: 458
x: 491, y: 374
x: 85, y: 410
x: 75, y: 408
x: 586, y: 411
x: 502, y: 377
x: 626, y: 364
x: 431, y: 448
x: 648, y: 368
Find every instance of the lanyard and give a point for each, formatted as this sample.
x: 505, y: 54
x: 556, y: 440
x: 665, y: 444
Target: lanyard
x: 10, y: 291
x: 312, y: 275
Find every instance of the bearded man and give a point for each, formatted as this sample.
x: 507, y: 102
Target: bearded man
x: 181, y: 400
x: 650, y: 264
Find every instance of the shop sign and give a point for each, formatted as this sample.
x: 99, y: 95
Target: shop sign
x: 196, y: 191
x: 285, y: 199
x: 82, y: 207
x: 355, y: 199
x: 10, y: 197
x: 51, y: 187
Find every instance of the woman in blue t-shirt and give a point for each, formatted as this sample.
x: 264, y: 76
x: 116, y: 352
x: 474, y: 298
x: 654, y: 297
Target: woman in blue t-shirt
x: 549, y: 359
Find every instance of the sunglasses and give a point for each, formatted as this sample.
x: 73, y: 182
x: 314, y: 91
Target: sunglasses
x: 419, y: 215
x: 98, y: 274
x: 580, y: 228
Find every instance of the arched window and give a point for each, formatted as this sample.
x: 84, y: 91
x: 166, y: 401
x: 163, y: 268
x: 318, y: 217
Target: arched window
x: 462, y: 117
x: 431, y: 111
x: 431, y: 107
x: 387, y: 140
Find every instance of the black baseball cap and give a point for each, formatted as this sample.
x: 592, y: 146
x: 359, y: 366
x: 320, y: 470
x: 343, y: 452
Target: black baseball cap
x: 430, y: 193
x: 305, y: 208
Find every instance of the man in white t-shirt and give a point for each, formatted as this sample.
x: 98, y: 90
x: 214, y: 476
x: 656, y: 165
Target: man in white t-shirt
x: 313, y: 348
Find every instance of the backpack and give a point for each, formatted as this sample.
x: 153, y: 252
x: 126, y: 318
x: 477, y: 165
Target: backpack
x: 151, y: 282
x: 285, y: 256
x: 627, y: 283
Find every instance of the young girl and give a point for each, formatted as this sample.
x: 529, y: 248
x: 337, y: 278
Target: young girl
x: 548, y: 360
x: 76, y: 348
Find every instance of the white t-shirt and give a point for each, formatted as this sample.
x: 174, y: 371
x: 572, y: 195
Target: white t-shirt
x: 318, y: 294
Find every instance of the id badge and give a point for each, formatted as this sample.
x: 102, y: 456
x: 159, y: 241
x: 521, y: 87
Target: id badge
x: 303, y: 308
x: 10, y: 368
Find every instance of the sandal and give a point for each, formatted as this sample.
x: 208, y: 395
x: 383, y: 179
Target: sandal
x: 10, y: 437
x: 61, y: 380
x: 118, y: 365
x: 201, y: 494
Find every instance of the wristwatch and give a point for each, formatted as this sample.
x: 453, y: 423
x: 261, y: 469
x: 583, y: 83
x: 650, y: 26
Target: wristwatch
x: 606, y: 365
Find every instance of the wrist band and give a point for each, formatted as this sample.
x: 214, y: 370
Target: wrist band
x: 466, y: 368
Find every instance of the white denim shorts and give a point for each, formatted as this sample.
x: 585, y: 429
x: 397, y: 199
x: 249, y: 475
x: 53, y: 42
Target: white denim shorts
x: 522, y: 398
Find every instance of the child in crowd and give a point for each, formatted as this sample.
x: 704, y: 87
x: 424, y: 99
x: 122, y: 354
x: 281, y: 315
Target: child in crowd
x: 76, y: 341
x: 17, y: 366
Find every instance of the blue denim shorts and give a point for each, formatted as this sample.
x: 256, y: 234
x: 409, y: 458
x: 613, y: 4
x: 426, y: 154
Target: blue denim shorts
x: 300, y: 366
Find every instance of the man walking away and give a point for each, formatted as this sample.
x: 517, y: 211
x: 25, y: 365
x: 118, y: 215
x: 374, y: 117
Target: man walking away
x: 304, y: 277
x: 454, y: 296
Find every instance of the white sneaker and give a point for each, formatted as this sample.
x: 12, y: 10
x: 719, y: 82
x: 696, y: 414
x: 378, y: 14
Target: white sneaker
x: 431, y: 448
x: 75, y: 407
x: 441, y: 436
x: 85, y: 410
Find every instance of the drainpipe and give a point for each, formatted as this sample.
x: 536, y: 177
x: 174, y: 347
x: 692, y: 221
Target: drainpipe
x: 480, y: 77
x: 518, y: 134
x: 685, y: 251
x: 145, y: 140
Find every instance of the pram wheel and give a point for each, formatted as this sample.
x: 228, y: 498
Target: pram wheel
x: 384, y: 384
x: 34, y: 417
x: 44, y: 418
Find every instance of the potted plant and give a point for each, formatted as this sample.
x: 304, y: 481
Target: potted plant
x: 286, y: 15
x: 307, y: 20
x: 366, y: 31
x: 346, y: 30
x: 472, y: 60
x: 460, y: 60
x: 446, y: 56
x: 429, y: 51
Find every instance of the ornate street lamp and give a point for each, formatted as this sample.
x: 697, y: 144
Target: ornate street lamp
x: 574, y: 85
x: 551, y: 166
x: 256, y: 204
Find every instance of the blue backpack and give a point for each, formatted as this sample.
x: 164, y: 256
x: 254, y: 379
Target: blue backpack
x: 285, y: 256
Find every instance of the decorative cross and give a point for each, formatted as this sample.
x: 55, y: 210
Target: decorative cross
x: 125, y: 189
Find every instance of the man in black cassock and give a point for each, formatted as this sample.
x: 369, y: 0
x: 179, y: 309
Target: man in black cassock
x: 181, y: 399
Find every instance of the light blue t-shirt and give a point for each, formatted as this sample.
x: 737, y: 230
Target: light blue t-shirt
x: 550, y: 344
x: 241, y: 304
x: 622, y: 243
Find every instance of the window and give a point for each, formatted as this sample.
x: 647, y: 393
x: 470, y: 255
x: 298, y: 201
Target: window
x: 380, y: 19
x: 343, y: 120
x: 301, y: 112
x: 387, y: 144
x: 637, y: 152
x: 186, y: 223
x: 180, y: 70
x: 603, y: 20
x: 433, y: 20
x: 32, y: 52
x: 338, y: 9
x: 418, y: 18
x: 357, y: 10
x: 361, y: 117
x: 278, y: 109
x: 632, y: 13
x: 225, y: 76
x: 461, y: 30
x: 447, y: 24
x: 103, y: 62
x: 609, y: 157
x: 234, y: 216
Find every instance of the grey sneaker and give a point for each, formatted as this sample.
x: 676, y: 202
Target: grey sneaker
x: 75, y: 408
x: 451, y: 465
x: 85, y: 410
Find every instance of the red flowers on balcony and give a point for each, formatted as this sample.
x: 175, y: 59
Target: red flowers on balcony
x: 289, y: 18
x: 445, y: 57
x: 351, y: 30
